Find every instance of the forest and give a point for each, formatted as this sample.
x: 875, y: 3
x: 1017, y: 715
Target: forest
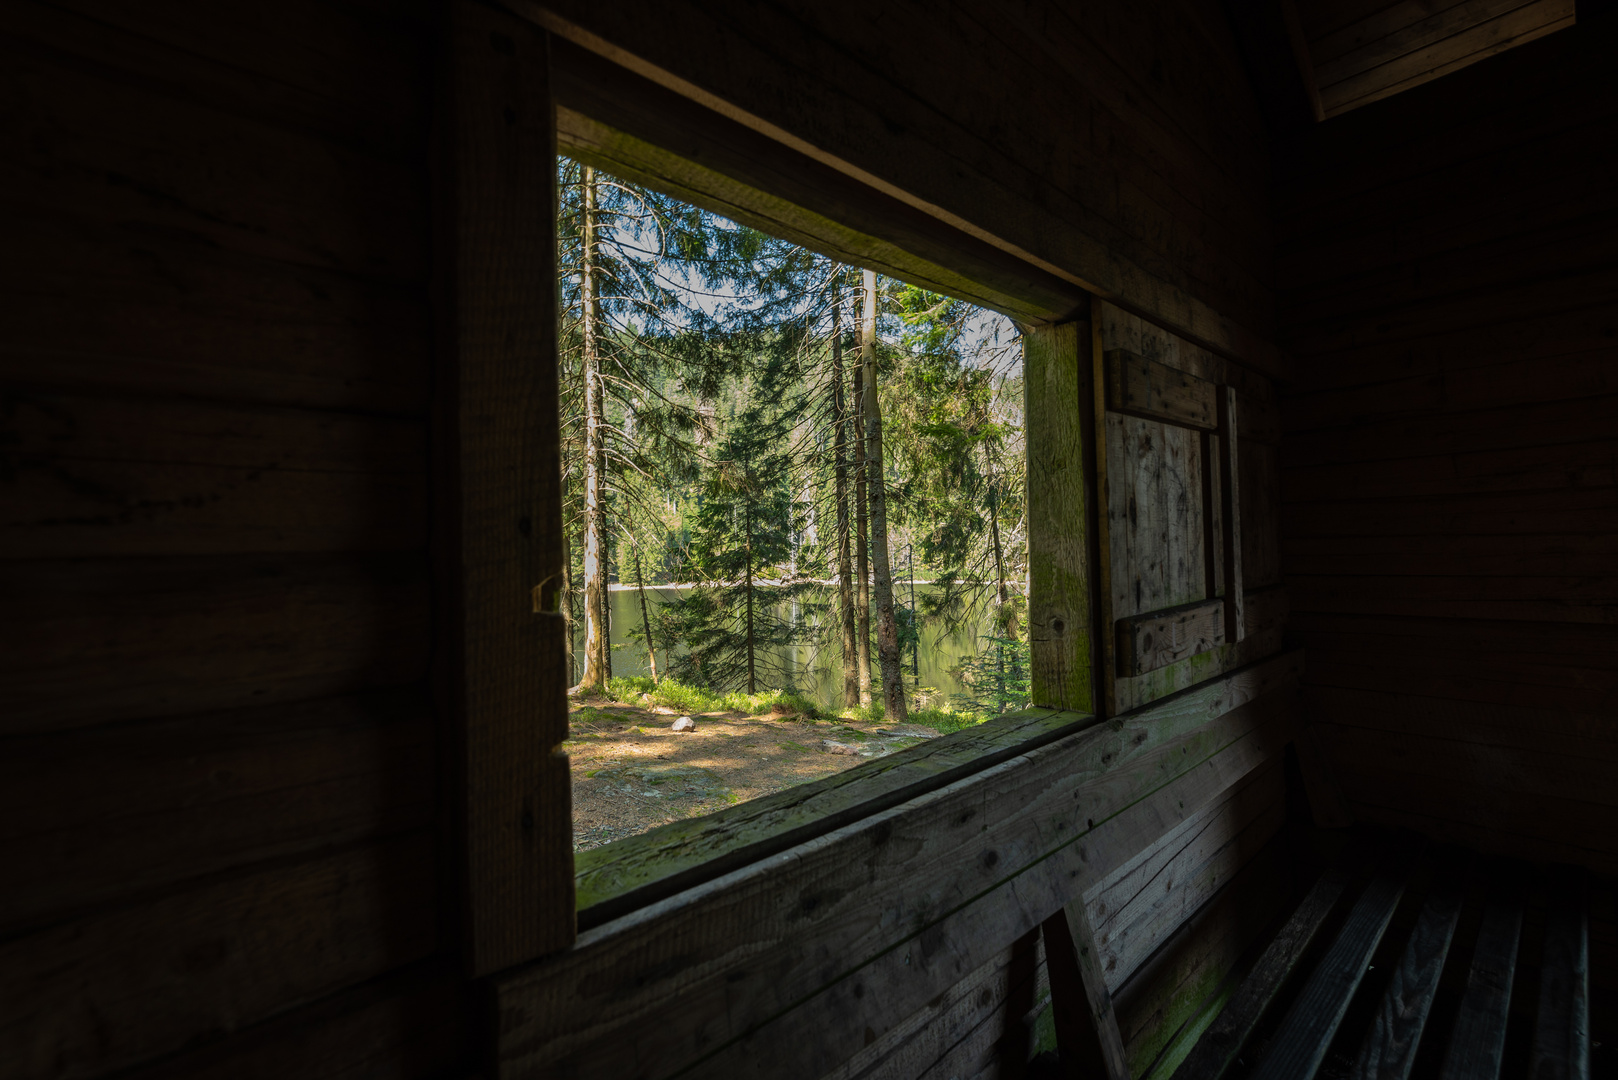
x: 780, y: 456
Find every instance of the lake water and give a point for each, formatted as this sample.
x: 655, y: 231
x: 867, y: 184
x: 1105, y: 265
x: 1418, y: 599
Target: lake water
x: 817, y: 673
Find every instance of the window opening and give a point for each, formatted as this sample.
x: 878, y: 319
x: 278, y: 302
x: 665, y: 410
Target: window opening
x: 725, y: 524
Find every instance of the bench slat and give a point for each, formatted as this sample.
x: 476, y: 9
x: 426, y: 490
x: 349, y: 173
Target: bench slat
x: 1300, y: 1045
x: 1478, y: 1041
x: 1389, y: 1049
x: 1562, y: 1034
x: 1226, y: 1036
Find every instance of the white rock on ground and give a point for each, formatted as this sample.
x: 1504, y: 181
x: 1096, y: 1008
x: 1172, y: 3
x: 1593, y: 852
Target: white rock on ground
x: 685, y: 723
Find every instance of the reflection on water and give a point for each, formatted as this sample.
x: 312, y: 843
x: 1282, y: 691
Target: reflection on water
x: 817, y: 671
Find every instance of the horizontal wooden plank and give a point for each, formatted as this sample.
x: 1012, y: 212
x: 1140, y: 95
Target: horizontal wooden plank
x: 1434, y: 820
x: 367, y: 93
x: 121, y: 988
x: 112, y: 308
x: 1138, y: 908
x: 76, y: 427
x: 410, y: 1024
x: 1490, y: 261
x: 1485, y: 723
x: 583, y: 1006
x: 1550, y: 662
x: 1438, y: 682
x: 91, y: 642
x: 1537, y: 468
x: 1137, y: 692
x: 1566, y: 599
x: 99, y: 145
x: 614, y: 880
x: 962, y: 1025
x: 1144, y: 387
x: 1570, y: 511
x: 1476, y: 431
x: 123, y: 811
x: 1485, y: 555
x: 920, y: 968
x: 1408, y: 222
x: 1377, y: 376
x: 610, y: 118
x: 1194, y: 970
x: 101, y: 509
x: 1395, y: 31
x: 1518, y: 819
x: 1542, y: 646
x: 1518, y: 299
x: 98, y: 477
x: 1156, y: 639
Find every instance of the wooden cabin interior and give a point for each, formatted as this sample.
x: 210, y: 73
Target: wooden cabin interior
x: 1323, y: 425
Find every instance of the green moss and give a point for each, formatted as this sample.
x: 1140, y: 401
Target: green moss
x: 1198, y: 1002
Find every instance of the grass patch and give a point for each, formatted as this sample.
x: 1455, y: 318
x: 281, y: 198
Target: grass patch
x: 694, y: 699
x: 945, y: 719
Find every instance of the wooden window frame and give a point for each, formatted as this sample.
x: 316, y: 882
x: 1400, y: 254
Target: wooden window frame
x: 1048, y: 799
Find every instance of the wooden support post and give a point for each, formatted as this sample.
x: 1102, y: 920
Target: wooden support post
x: 1231, y: 510
x: 1086, y: 1027
x: 1057, y: 375
x: 502, y: 673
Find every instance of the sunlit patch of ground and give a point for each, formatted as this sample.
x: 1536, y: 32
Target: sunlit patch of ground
x: 633, y: 772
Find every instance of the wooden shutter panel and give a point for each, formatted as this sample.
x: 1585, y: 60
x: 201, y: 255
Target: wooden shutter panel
x: 1174, y: 423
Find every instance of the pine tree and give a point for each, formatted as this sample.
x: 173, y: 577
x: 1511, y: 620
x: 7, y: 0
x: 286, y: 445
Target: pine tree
x: 730, y: 626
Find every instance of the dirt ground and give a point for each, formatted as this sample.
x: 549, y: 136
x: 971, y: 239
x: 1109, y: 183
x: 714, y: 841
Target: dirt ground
x: 633, y: 772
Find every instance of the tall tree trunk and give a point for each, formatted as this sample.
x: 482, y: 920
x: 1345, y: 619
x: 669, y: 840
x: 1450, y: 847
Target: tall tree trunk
x: 594, y: 679
x: 645, y: 619
x: 606, y: 544
x: 747, y: 589
x: 887, y: 628
x: 862, y: 565
x: 1003, y: 610
x: 569, y: 618
x: 845, y: 582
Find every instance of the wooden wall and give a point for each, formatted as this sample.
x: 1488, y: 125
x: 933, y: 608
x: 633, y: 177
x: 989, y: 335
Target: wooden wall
x: 1120, y: 144
x: 222, y: 773
x: 1448, y: 458
x: 218, y: 774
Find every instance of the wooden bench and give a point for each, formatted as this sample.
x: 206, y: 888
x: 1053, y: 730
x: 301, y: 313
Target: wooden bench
x: 1309, y: 991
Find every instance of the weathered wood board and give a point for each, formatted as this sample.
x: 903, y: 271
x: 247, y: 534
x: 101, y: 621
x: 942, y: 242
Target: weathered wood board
x: 785, y: 918
x: 1142, y: 387
x: 1185, y: 513
x: 1148, y: 642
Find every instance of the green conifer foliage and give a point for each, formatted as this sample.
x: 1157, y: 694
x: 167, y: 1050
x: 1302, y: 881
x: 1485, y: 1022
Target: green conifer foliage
x: 749, y: 602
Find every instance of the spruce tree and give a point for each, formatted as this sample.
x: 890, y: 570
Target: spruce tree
x: 733, y: 625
